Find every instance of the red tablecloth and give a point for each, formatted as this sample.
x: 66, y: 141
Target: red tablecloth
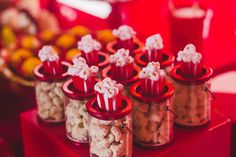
x: 213, y: 140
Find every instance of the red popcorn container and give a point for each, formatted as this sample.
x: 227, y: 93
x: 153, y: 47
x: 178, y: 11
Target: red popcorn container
x: 166, y: 60
x: 49, y: 95
x: 190, y: 69
x: 189, y: 29
x: 153, y: 117
x: 152, y: 88
x: 137, y: 47
x: 110, y: 133
x: 103, y: 60
x: 193, y: 97
x: 84, y: 86
x: 92, y: 58
x: 76, y: 115
x: 53, y: 68
x: 120, y: 75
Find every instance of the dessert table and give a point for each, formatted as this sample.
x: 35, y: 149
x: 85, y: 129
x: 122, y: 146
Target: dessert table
x: 213, y: 140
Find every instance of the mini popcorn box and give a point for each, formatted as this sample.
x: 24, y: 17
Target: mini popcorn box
x: 126, y: 38
x: 89, y: 48
x: 76, y: 115
x: 152, y: 79
x: 153, y: 117
x: 108, y: 94
x: 83, y: 76
x: 51, y: 62
x: 190, y: 61
x: 110, y: 133
x: 122, y: 69
x: 193, y: 97
x: 153, y: 52
x: 49, y: 95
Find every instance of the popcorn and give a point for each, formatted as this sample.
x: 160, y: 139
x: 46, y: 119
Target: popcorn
x: 154, y: 42
x: 121, y: 58
x: 110, y: 139
x: 47, y: 53
x: 88, y: 44
x: 108, y: 87
x: 189, y: 54
x: 153, y: 125
x: 81, y: 69
x: 124, y: 32
x: 152, y: 72
x: 192, y: 104
x: 50, y: 101
x: 76, y: 117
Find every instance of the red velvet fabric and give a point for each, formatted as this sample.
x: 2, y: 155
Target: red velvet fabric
x: 210, y: 141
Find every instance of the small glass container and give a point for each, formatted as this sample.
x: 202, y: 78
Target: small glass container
x: 192, y: 97
x: 49, y: 95
x: 110, y: 132
x: 153, y: 117
x: 76, y: 115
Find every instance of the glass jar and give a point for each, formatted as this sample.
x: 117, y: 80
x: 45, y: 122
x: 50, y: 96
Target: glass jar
x: 110, y: 132
x: 192, y: 98
x: 49, y: 95
x: 153, y: 117
x: 76, y: 115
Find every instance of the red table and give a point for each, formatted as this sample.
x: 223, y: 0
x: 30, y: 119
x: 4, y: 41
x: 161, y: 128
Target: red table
x: 41, y: 140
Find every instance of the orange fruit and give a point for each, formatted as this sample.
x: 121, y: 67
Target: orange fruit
x: 28, y: 66
x: 46, y: 35
x: 79, y: 30
x: 105, y: 35
x: 71, y: 53
x: 30, y: 42
x: 66, y: 41
x: 18, y: 56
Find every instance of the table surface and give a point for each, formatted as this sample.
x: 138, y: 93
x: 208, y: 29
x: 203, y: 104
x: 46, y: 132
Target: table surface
x: 42, y: 140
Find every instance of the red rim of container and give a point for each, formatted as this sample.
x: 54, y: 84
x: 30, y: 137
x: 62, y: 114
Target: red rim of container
x: 107, y: 73
x: 103, y: 59
x: 96, y: 112
x: 138, y: 47
x: 207, y: 73
x: 136, y: 93
x: 140, y: 59
x: 70, y: 91
x: 39, y: 73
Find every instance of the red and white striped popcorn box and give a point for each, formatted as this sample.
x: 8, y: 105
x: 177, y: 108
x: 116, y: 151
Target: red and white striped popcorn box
x: 109, y: 95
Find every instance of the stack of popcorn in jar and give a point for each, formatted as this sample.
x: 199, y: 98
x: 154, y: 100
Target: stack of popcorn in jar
x: 50, y: 75
x: 154, y: 52
x: 192, y: 81
x: 78, y: 91
x: 153, y: 107
x: 126, y: 38
x: 110, y: 122
x: 122, y: 69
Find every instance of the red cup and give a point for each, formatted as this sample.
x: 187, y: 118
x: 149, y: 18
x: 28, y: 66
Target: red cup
x: 151, y: 88
x: 84, y: 86
x: 191, y: 70
x: 126, y: 44
x: 53, y: 68
x: 91, y: 57
x: 154, y: 55
x: 122, y: 73
x: 186, y: 30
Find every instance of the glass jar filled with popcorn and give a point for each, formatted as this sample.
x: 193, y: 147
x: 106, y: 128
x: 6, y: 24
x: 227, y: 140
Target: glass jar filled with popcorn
x: 192, y: 81
x: 110, y: 122
x: 153, y: 107
x: 154, y: 52
x: 122, y: 69
x: 125, y: 38
x: 50, y: 75
x: 78, y: 91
